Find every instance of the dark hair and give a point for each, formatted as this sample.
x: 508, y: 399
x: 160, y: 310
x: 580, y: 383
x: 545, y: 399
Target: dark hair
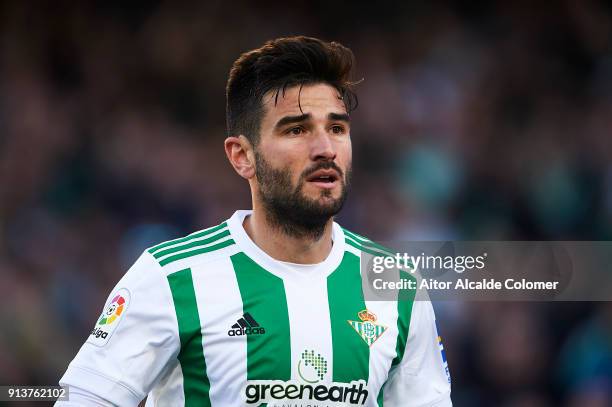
x: 277, y: 65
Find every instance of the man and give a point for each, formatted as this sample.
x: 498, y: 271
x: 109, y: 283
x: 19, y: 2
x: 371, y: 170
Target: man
x: 268, y: 306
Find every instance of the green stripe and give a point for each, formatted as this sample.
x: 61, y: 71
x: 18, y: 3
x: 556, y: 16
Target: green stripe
x: 345, y: 296
x: 263, y: 296
x: 196, y: 385
x: 380, y: 397
x: 404, y: 311
x: 371, y: 250
x: 371, y: 245
x: 365, y: 249
x: 358, y: 236
x: 189, y: 245
x: 187, y: 238
x: 366, y: 242
x: 184, y: 255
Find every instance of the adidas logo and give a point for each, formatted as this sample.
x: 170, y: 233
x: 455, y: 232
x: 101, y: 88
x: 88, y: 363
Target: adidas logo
x: 246, y: 326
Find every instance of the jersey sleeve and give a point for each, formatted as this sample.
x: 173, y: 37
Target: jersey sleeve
x: 82, y: 398
x: 134, y: 341
x: 422, y: 377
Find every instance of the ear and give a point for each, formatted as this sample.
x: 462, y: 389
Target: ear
x: 240, y: 154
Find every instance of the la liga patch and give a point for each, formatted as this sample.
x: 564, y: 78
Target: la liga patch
x: 110, y: 318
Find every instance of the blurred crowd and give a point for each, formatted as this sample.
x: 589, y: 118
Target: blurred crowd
x: 491, y: 121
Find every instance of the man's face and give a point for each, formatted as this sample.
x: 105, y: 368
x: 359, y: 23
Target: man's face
x: 304, y: 155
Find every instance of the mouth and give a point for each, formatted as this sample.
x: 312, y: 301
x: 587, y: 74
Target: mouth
x: 326, y: 179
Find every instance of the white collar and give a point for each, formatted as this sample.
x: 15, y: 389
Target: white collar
x: 283, y: 269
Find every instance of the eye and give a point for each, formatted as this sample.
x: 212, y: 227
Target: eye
x: 337, y: 129
x: 296, y: 131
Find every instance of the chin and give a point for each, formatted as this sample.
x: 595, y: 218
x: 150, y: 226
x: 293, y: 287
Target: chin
x: 325, y: 196
x: 327, y: 201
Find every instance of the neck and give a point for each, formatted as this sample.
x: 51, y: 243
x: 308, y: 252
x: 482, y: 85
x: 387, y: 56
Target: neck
x: 289, y: 247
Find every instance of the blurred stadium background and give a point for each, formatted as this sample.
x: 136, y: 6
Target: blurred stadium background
x: 488, y: 121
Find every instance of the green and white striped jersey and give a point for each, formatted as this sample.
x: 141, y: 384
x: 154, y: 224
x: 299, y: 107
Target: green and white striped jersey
x: 212, y: 320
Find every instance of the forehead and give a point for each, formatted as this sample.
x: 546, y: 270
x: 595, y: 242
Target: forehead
x: 316, y: 98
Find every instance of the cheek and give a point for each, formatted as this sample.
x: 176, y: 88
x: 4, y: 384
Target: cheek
x: 282, y: 149
x: 344, y: 153
x: 287, y: 160
x: 289, y: 156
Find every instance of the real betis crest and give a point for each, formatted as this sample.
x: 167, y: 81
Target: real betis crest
x: 367, y: 328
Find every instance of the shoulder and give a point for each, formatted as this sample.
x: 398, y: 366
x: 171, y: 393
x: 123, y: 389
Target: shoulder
x: 361, y: 244
x: 196, y: 248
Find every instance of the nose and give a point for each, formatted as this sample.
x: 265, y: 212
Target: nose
x: 322, y: 147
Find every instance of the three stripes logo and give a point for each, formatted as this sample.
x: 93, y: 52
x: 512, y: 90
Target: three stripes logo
x: 246, y: 325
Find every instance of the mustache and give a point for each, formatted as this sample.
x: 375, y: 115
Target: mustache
x: 323, y: 165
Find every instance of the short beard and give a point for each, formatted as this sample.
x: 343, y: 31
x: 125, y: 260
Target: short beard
x: 288, y: 209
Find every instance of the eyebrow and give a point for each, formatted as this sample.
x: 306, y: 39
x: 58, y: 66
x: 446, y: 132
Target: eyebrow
x: 307, y: 116
x: 292, y: 119
x: 339, y: 117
